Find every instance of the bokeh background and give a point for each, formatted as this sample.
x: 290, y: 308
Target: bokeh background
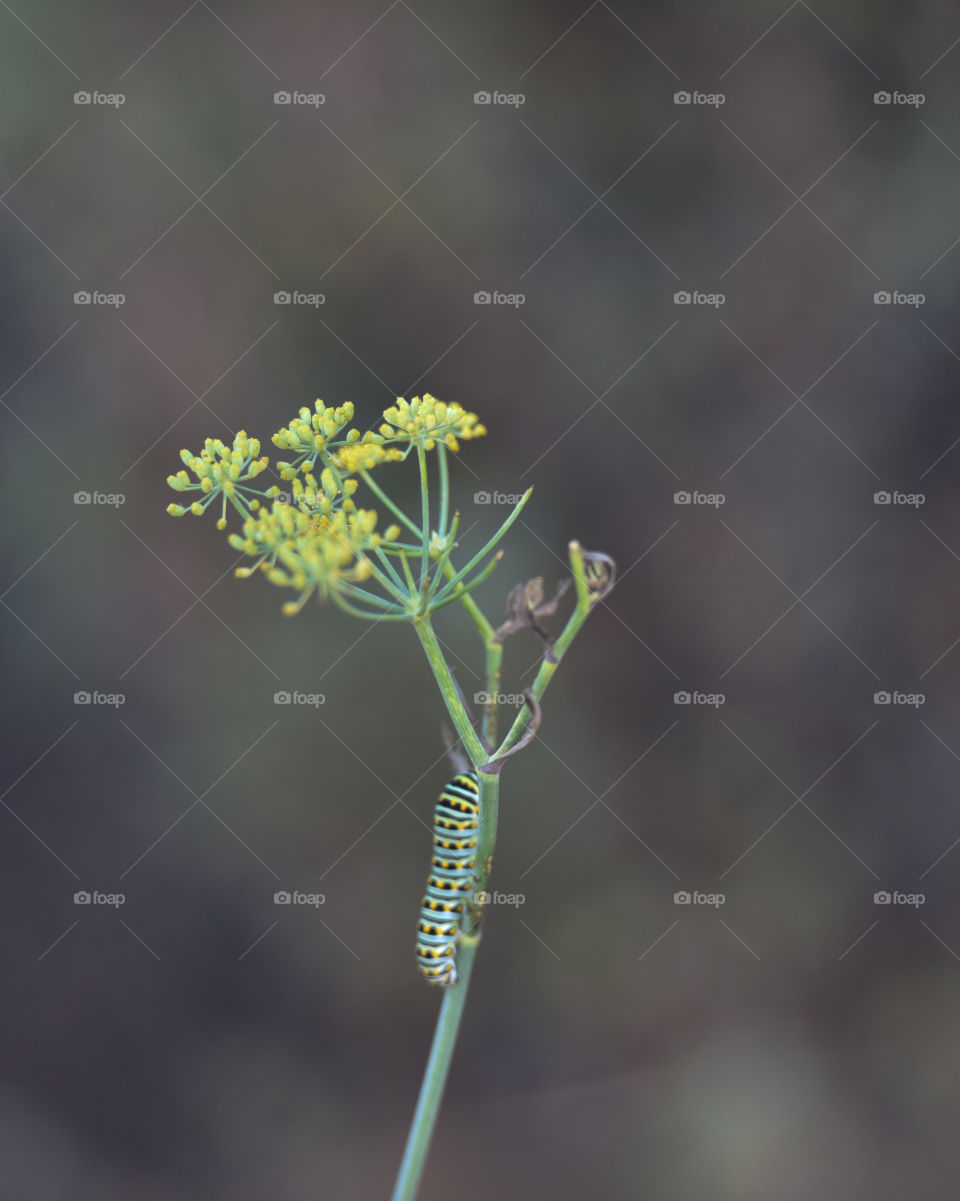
x: 798, y: 1039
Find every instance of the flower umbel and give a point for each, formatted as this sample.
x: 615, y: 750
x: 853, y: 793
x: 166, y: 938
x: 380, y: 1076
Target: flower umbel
x: 315, y: 538
x: 428, y: 420
x: 220, y: 470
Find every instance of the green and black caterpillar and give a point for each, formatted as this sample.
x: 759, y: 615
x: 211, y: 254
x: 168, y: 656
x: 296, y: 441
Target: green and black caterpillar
x: 451, y: 880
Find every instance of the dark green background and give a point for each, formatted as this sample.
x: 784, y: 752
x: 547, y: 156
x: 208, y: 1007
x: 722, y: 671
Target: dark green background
x: 798, y: 1042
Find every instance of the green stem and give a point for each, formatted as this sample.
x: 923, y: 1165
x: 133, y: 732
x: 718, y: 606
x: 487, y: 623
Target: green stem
x: 451, y: 1011
x: 379, y: 493
x: 444, y: 488
x: 339, y: 601
x: 494, y: 660
x: 425, y: 514
x: 458, y: 715
x: 485, y: 550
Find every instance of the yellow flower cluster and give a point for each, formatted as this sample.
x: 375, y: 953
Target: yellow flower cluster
x: 311, y: 553
x: 218, y: 468
x: 321, y: 497
x: 427, y: 420
x: 309, y: 433
x: 365, y: 454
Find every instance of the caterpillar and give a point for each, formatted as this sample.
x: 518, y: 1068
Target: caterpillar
x: 450, y: 884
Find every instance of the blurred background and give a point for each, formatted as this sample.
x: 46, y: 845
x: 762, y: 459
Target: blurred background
x: 719, y: 253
